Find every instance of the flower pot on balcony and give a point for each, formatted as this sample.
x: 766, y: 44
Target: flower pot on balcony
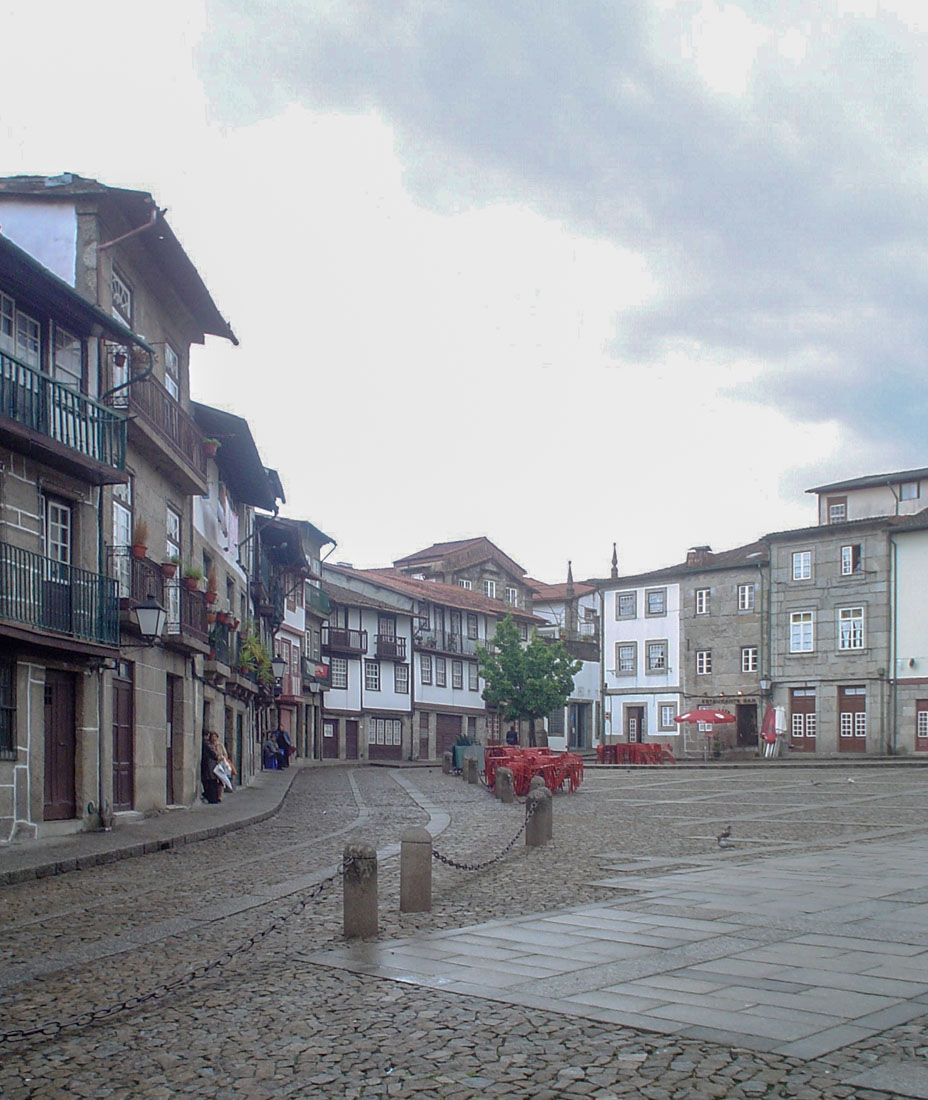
x: 139, y: 551
x: 168, y: 569
x: 223, y: 617
x: 235, y: 623
x: 210, y: 617
x: 210, y: 447
x: 191, y: 583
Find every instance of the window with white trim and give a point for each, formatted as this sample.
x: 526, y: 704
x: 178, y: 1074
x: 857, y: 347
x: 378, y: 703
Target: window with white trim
x: 908, y: 490
x: 703, y: 662
x: 464, y: 583
x: 172, y: 372
x: 667, y: 716
x: 851, y: 560
x: 702, y: 601
x: 801, y: 631
x: 68, y: 368
x: 372, y: 675
x: 472, y: 677
x: 512, y: 596
x: 457, y: 674
x: 850, y: 628
x: 339, y: 672
x: 746, y: 597
x: 441, y: 672
x: 626, y: 605
x: 401, y: 679
x: 655, y: 601
x: 837, y: 509
x: 626, y: 658
x: 489, y: 589
x: 471, y: 626
x: 425, y: 668
x: 749, y: 658
x: 802, y: 565
x: 657, y: 657
x: 122, y: 298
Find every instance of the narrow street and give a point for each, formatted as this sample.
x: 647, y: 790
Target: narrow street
x: 273, y: 1021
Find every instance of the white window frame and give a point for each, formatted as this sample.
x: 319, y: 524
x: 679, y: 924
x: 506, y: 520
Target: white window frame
x: 121, y: 294
x: 702, y: 601
x: 441, y: 672
x: 909, y: 490
x: 656, y: 655
x: 338, y: 673
x: 68, y: 355
x: 371, y: 675
x: 425, y: 668
x: 851, y: 636
x: 666, y: 716
x: 703, y: 662
x: 750, y: 657
x: 512, y: 596
x: 464, y: 583
x: 802, y: 565
x: 489, y: 589
x: 457, y: 675
x: 658, y: 594
x: 852, y: 560
x: 401, y: 679
x: 802, y: 632
x: 172, y: 371
x: 746, y: 593
x: 473, y: 679
x: 628, y: 597
x: 633, y: 666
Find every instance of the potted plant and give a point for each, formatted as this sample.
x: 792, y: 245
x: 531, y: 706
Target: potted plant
x: 192, y: 577
x: 212, y: 587
x: 210, y: 446
x: 139, y: 538
x: 169, y: 567
x: 223, y: 617
x: 254, y: 659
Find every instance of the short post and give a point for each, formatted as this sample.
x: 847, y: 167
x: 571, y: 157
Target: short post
x: 416, y: 870
x: 470, y: 768
x: 538, y: 830
x: 447, y: 763
x: 359, y: 891
x: 537, y: 783
x: 504, y: 788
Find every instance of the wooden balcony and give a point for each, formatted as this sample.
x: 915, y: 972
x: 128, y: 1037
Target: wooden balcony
x: 60, y: 427
x: 341, y: 640
x: 389, y: 647
x: 44, y: 595
x: 167, y: 434
x: 442, y: 642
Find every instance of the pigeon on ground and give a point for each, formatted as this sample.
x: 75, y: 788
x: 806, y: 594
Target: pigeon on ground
x: 723, y: 836
x: 852, y: 781
x: 816, y: 782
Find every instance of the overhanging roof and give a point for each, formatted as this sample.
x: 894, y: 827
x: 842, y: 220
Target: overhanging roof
x: 237, y: 457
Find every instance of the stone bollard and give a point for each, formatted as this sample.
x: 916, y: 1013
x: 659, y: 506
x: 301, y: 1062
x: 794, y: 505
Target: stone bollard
x: 470, y: 769
x: 538, y: 830
x: 447, y: 763
x: 504, y: 789
x: 416, y: 870
x: 537, y: 783
x: 359, y: 891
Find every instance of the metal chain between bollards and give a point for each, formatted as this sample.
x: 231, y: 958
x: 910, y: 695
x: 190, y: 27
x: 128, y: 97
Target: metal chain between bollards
x: 54, y: 1027
x: 489, y: 863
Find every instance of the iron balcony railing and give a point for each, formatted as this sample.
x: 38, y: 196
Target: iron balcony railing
x: 343, y: 640
x: 390, y: 647
x: 49, y: 595
x: 138, y: 578
x: 151, y: 402
x: 45, y: 406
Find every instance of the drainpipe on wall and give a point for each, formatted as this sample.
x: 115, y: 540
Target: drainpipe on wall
x: 894, y: 640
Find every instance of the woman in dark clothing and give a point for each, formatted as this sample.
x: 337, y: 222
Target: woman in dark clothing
x: 208, y: 760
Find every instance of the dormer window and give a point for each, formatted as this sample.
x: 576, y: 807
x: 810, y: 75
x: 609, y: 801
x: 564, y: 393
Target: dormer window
x: 837, y: 509
x: 908, y: 490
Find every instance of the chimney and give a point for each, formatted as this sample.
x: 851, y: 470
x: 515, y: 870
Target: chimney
x: 698, y: 555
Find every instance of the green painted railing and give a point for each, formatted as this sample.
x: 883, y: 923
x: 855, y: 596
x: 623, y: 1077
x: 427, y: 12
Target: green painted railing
x: 49, y: 595
x: 44, y: 405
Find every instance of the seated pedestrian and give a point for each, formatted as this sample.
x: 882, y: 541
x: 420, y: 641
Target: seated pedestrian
x: 286, y: 747
x: 270, y: 752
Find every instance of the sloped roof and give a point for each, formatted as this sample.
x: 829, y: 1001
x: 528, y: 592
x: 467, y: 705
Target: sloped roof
x: 542, y: 591
x: 752, y: 553
x: 166, y: 252
x: 237, y: 457
x: 873, y: 480
x: 461, y: 553
x: 848, y: 526
x: 347, y: 597
x: 449, y: 595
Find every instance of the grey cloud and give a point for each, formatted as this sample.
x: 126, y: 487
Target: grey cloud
x: 786, y: 225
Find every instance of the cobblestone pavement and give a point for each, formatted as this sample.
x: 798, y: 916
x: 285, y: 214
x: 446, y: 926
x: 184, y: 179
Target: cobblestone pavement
x: 272, y: 1023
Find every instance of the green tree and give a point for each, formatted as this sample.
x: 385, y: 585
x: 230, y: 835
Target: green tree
x: 525, y: 681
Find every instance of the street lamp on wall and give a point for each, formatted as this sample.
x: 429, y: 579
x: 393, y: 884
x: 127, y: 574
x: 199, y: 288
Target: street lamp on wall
x: 278, y: 667
x: 151, y: 618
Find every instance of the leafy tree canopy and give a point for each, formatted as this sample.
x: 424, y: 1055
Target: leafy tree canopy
x: 525, y: 681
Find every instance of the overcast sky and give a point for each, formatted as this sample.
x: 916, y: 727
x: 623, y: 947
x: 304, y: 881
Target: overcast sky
x: 560, y: 272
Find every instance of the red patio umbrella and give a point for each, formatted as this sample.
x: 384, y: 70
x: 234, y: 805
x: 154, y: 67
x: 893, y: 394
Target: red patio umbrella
x: 707, y: 715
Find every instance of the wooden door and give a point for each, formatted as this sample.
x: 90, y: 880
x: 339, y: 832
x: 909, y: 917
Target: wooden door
x: 329, y: 740
x: 447, y: 731
x: 60, y: 746
x: 634, y: 725
x: 921, y: 725
x: 852, y: 719
x: 746, y: 715
x: 351, y: 739
x: 802, y: 719
x: 123, y: 739
x: 169, y: 700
